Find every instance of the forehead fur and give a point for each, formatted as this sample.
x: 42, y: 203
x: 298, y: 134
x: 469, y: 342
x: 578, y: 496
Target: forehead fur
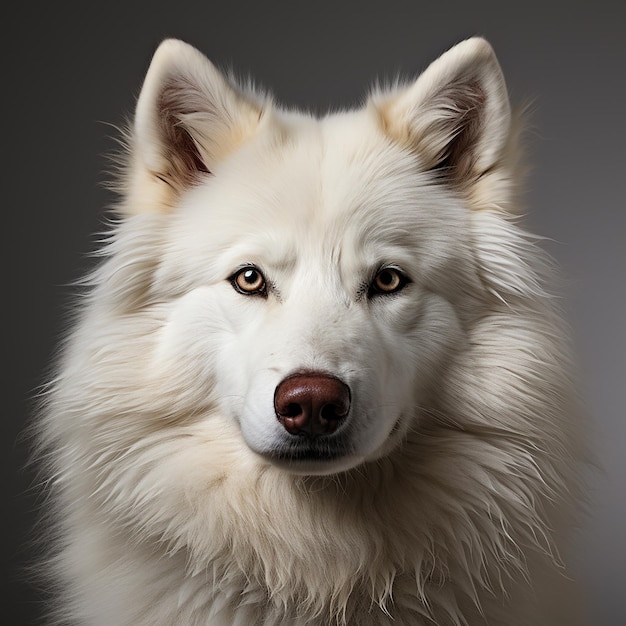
x: 310, y: 173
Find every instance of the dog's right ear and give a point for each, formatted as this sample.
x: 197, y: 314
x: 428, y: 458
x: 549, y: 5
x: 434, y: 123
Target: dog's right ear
x: 188, y: 118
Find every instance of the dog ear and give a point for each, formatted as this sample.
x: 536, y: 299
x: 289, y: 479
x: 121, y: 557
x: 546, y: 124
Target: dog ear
x: 456, y: 115
x: 188, y: 118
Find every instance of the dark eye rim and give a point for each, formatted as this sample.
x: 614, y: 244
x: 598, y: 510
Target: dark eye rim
x: 260, y: 291
x: 403, y: 281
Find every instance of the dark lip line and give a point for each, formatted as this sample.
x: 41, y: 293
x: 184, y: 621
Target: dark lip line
x: 308, y: 453
x: 312, y: 458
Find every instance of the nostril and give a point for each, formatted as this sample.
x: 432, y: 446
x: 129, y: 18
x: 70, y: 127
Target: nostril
x: 292, y: 410
x: 332, y: 412
x: 311, y: 403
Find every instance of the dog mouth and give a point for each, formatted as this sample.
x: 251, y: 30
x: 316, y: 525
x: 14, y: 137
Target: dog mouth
x: 307, y: 453
x: 304, y: 455
x: 305, y: 449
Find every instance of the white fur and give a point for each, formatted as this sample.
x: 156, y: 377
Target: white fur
x: 450, y: 502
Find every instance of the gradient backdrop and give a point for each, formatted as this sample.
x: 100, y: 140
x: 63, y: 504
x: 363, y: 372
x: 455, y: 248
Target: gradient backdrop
x: 71, y: 73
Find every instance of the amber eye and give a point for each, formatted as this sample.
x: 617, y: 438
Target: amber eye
x: 249, y: 281
x: 388, y: 280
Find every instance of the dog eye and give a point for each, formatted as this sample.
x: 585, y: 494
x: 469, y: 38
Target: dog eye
x: 388, y: 280
x: 249, y: 281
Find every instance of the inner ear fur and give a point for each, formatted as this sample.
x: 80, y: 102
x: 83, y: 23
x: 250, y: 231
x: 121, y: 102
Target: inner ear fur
x: 183, y: 153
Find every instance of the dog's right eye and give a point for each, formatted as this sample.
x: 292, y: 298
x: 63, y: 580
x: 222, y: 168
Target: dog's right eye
x: 249, y: 281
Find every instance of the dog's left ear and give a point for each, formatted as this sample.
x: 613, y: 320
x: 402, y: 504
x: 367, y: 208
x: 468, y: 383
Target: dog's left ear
x: 456, y: 116
x: 189, y: 117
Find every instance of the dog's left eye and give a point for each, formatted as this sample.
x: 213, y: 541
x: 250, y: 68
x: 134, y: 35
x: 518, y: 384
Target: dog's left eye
x: 388, y: 280
x: 249, y: 280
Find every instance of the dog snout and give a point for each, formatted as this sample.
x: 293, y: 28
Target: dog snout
x: 311, y: 404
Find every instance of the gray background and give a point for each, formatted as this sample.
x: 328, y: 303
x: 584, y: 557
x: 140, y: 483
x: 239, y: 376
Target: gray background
x: 72, y: 72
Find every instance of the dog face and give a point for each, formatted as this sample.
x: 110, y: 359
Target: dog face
x: 313, y: 277
x: 295, y: 274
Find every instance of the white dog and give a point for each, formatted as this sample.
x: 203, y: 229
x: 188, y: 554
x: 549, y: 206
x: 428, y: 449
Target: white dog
x: 316, y: 379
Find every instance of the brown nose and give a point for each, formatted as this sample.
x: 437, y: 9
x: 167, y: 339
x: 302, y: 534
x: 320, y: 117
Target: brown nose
x: 311, y: 404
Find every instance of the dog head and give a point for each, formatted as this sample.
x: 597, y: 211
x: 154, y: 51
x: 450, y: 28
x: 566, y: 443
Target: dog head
x: 312, y: 278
